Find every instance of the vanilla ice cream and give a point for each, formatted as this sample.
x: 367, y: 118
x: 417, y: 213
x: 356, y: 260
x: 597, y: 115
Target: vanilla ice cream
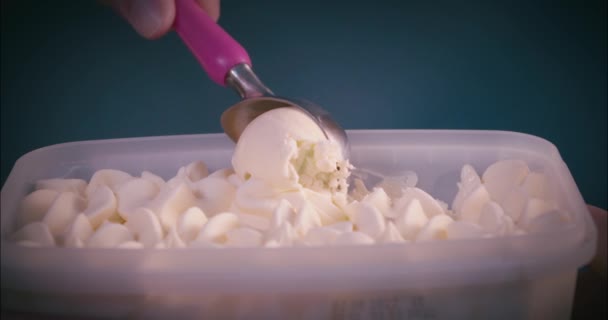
x: 288, y: 186
x: 287, y: 149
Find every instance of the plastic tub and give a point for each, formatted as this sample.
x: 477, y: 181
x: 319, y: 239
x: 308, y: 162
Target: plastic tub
x: 521, y: 277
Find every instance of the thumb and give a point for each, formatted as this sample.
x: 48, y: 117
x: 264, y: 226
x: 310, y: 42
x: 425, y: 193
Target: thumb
x: 150, y: 18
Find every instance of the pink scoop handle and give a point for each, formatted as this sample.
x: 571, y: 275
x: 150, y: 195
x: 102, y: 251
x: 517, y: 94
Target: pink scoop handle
x: 214, y: 49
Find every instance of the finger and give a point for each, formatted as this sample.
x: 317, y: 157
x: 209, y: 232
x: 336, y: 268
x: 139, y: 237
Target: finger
x: 212, y: 7
x: 150, y: 18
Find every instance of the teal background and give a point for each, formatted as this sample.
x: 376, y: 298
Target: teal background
x: 73, y: 70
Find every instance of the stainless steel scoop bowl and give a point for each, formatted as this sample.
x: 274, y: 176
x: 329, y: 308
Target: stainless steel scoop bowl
x: 257, y: 99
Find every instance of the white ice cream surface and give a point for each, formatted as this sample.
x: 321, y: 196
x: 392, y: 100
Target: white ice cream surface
x: 288, y: 187
x: 286, y: 148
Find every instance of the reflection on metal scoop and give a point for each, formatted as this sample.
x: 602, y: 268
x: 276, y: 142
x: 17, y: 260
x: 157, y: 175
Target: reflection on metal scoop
x: 227, y: 63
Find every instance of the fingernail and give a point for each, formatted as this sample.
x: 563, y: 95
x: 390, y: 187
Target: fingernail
x: 146, y: 17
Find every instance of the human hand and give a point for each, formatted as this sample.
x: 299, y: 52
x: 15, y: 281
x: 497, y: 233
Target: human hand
x: 153, y: 18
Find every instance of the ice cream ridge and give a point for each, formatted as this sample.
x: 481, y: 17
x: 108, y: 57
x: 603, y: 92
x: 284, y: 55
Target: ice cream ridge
x: 288, y: 186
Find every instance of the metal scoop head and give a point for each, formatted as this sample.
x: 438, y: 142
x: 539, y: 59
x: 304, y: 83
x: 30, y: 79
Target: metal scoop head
x: 257, y: 99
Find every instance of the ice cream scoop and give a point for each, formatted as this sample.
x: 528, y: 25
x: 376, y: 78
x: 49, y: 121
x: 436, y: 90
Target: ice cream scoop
x: 228, y: 64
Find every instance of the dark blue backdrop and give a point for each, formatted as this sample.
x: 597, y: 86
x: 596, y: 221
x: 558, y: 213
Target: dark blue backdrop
x: 73, y: 70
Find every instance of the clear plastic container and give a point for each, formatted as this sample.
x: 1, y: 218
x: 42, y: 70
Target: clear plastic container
x: 519, y: 277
